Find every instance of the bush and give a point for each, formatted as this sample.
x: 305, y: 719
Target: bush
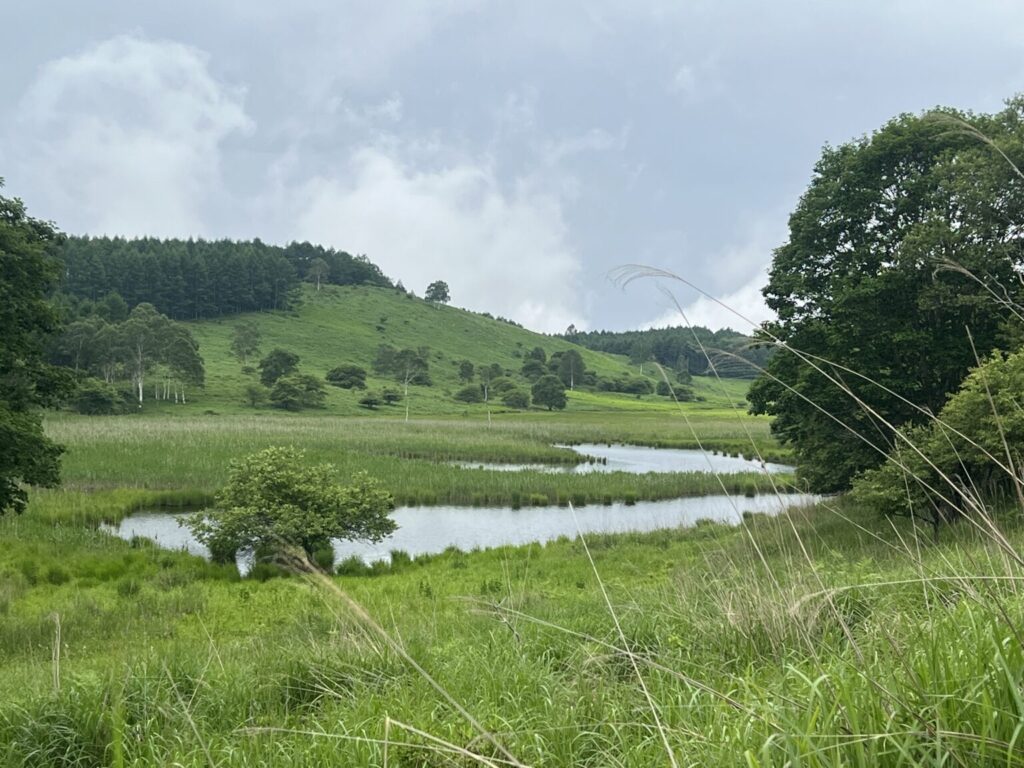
x: 347, y: 377
x: 297, y: 391
x: 470, y: 394
x: 371, y: 400
x: 276, y: 497
x: 95, y: 397
x: 516, y: 398
x: 977, y: 427
x: 390, y: 396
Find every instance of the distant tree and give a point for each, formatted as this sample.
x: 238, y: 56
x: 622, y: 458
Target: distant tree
x: 371, y: 400
x: 279, y: 362
x: 571, y: 368
x: 390, y: 396
x: 255, y: 395
x: 347, y: 377
x: 466, y: 371
x: 487, y: 375
x: 276, y: 499
x: 470, y: 394
x: 27, y: 275
x: 537, y: 353
x: 501, y: 385
x: 94, y: 397
x: 437, y: 293
x: 112, y: 308
x: 245, y: 341
x: 297, y: 391
x: 642, y: 351
x: 549, y: 392
x: 516, y: 398
x: 533, y: 368
x: 318, y: 271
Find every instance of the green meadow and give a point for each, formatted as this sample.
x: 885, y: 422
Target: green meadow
x: 826, y: 636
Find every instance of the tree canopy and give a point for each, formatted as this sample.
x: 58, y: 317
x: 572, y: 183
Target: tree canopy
x: 437, y: 292
x: 902, y: 258
x: 549, y: 392
x: 275, y: 498
x: 28, y: 272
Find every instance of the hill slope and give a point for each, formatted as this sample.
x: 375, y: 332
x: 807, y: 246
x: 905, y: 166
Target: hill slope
x: 347, y: 324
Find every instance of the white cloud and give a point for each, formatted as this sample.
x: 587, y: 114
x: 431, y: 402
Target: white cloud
x: 731, y: 310
x: 685, y: 80
x: 125, y: 137
x: 505, y: 252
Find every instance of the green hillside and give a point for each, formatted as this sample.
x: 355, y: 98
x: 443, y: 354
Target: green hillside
x: 348, y: 324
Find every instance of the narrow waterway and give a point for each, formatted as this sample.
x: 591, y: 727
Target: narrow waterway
x: 638, y: 459
x: 428, y: 530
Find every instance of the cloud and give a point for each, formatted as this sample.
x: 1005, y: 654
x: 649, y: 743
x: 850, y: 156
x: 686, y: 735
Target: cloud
x: 125, y: 137
x: 506, y: 252
x: 685, y: 80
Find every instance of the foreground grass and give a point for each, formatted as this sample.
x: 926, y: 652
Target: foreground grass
x: 823, y: 638
x: 191, y: 453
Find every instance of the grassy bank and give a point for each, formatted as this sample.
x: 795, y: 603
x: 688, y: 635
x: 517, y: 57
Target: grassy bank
x: 804, y: 640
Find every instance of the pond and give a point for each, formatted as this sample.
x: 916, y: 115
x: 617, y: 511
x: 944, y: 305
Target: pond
x: 638, y: 459
x: 429, y: 530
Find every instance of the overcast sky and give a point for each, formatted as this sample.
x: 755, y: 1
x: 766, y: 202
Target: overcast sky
x: 518, y: 150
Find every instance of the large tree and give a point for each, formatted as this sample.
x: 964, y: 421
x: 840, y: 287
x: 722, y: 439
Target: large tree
x: 902, y: 260
x: 27, y: 274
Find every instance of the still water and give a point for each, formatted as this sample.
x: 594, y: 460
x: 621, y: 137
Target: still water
x: 639, y: 460
x: 426, y: 530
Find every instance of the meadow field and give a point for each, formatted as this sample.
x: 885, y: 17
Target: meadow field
x: 826, y: 636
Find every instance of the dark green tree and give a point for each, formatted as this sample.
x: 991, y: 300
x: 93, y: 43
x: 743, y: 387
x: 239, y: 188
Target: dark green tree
x: 466, y: 371
x: 549, y: 392
x: 516, y: 398
x: 28, y: 272
x: 297, y: 391
x: 903, y: 256
x: 279, y: 362
x: 437, y: 293
x: 347, y: 377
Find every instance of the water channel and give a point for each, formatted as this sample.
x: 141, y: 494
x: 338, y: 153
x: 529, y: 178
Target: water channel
x: 428, y: 530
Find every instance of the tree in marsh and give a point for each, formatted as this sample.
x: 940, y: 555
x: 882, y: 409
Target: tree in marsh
x: 902, y: 259
x: 245, y: 341
x: 279, y: 362
x: 28, y: 273
x: 275, y: 499
x: 549, y: 392
x: 437, y: 293
x: 255, y: 395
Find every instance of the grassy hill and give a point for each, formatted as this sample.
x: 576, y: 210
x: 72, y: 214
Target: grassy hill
x: 347, y: 324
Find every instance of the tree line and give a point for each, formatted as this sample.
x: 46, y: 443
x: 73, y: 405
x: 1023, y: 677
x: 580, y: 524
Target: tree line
x: 192, y: 279
x: 695, y: 350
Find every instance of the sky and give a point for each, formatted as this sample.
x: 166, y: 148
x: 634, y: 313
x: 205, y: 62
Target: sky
x: 520, y: 151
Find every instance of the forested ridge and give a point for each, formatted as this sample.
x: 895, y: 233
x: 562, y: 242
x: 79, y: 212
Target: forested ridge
x: 695, y: 350
x: 192, y: 279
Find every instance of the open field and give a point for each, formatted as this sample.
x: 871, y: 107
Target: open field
x: 794, y: 641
